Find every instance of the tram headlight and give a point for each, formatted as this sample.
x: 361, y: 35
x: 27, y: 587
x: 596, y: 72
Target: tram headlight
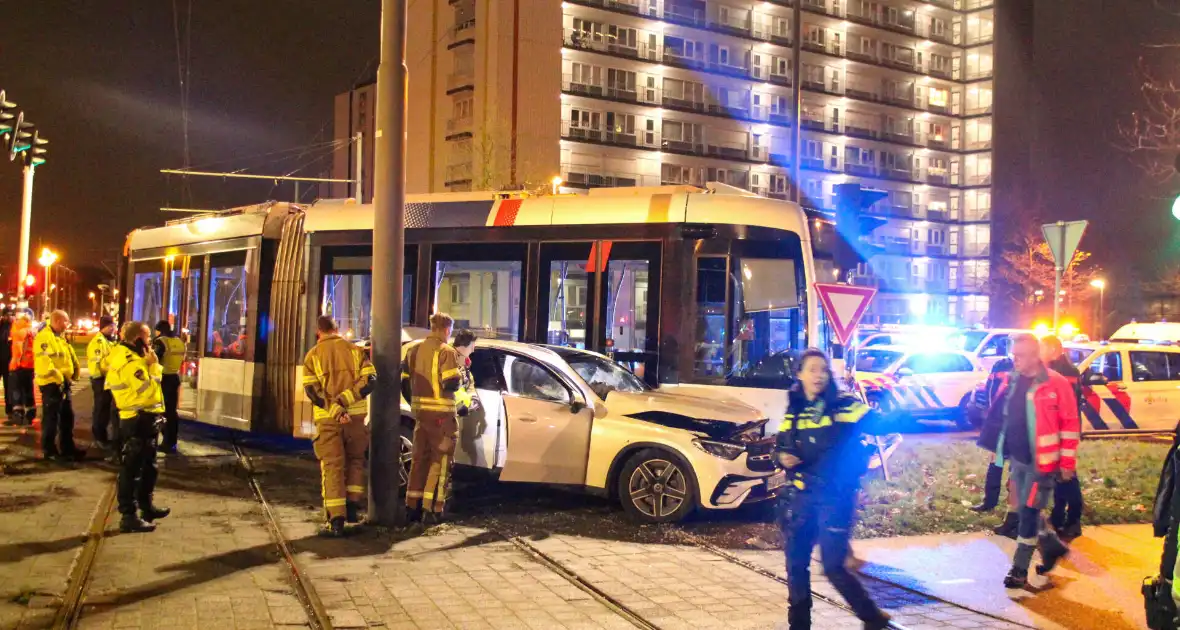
x: 719, y: 449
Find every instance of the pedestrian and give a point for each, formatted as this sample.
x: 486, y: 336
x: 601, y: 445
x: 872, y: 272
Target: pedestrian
x: 133, y: 378
x: 432, y: 368
x: 989, y: 434
x: 1068, y: 503
x: 20, y: 370
x: 56, y: 368
x: 1038, y: 438
x: 97, y: 352
x: 337, y: 377
x: 170, y: 351
x: 5, y: 357
x: 820, y: 446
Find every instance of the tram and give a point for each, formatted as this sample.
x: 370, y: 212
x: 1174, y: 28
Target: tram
x: 688, y: 287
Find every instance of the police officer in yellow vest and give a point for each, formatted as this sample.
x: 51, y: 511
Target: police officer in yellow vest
x: 337, y: 377
x: 133, y: 377
x: 55, y: 366
x: 170, y: 350
x: 96, y: 362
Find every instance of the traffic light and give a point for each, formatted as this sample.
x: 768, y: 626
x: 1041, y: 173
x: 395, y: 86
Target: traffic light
x: 7, y: 118
x: 19, y: 136
x: 36, y: 153
x: 30, y: 285
x: 853, y: 226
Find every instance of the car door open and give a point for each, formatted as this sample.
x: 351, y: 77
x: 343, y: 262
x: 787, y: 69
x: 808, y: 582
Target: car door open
x: 548, y: 426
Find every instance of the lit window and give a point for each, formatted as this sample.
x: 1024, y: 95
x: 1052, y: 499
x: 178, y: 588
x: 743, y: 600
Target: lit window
x: 938, y: 97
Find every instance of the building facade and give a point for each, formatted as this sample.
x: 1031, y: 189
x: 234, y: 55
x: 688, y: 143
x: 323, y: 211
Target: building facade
x: 893, y: 94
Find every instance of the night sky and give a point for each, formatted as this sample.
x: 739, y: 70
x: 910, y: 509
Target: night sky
x: 100, y: 79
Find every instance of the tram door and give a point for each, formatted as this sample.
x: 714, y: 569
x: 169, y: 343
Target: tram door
x: 566, y: 295
x: 184, y: 314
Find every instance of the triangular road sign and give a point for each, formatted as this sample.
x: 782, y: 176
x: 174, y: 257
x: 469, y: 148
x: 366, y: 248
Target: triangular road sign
x: 1063, y: 238
x: 845, y: 305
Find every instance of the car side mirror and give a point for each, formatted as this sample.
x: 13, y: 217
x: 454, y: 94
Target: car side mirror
x: 903, y: 372
x: 577, y: 406
x: 1093, y: 378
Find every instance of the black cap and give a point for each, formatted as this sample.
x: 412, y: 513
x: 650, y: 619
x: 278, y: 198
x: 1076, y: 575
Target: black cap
x: 104, y: 321
x: 164, y: 327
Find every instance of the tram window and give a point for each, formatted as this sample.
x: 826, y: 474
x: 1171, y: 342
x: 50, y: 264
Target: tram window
x: 710, y: 333
x: 175, y: 297
x: 626, y: 304
x: 568, y: 289
x: 767, y: 318
x: 190, y: 334
x: 487, y: 299
x: 227, y: 306
x: 148, y: 299
x: 348, y: 300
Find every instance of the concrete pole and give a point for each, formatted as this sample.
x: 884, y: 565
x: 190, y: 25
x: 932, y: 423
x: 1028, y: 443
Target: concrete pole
x: 389, y: 180
x: 26, y: 219
x: 358, y: 175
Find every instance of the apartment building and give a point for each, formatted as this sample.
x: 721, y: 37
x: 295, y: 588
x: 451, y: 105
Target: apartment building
x: 893, y: 94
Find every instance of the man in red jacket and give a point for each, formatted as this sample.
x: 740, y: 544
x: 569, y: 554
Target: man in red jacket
x: 1039, y: 437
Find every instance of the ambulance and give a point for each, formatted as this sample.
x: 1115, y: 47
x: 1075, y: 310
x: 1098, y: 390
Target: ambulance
x: 1129, y: 386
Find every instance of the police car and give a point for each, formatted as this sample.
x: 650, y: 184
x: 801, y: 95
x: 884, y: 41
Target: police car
x: 926, y: 384
x: 1128, y: 386
x: 987, y: 345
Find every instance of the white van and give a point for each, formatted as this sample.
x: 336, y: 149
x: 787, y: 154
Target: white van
x: 1128, y: 386
x: 1148, y: 333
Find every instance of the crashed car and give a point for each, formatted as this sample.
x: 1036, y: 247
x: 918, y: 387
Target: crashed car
x: 567, y: 417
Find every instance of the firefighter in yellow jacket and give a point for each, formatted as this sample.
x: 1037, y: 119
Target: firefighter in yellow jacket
x: 337, y: 376
x: 133, y: 377
x: 432, y: 369
x: 55, y: 366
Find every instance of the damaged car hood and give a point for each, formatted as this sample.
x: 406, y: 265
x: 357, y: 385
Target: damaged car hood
x: 715, y: 419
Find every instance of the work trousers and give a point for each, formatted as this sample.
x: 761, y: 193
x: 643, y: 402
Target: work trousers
x: 137, y: 472
x: 432, y: 457
x: 19, y: 394
x: 822, y: 516
x: 341, y: 450
x: 170, y: 384
x: 104, y: 408
x: 1067, y: 504
x: 57, y: 420
x: 1033, y: 489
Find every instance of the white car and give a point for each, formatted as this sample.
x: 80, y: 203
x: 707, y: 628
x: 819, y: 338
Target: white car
x: 1128, y: 386
x: 986, y: 345
x: 574, y: 418
x: 927, y: 385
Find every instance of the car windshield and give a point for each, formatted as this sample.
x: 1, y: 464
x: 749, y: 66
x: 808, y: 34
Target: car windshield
x: 872, y: 360
x: 602, y: 375
x: 968, y: 341
x: 1077, y: 355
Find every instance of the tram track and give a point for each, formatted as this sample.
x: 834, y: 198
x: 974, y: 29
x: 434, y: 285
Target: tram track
x: 69, y: 613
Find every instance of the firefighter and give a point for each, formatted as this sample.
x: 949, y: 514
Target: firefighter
x: 6, y: 358
x: 55, y: 368
x: 96, y: 362
x: 819, y: 446
x: 170, y: 350
x: 432, y: 369
x: 337, y: 377
x: 133, y: 377
x: 20, y: 370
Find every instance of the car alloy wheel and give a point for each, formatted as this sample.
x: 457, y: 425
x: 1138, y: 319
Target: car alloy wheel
x: 657, y: 488
x: 405, y: 458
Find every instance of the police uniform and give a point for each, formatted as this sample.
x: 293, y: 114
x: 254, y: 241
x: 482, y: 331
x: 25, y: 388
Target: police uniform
x: 135, y: 387
x: 432, y: 369
x: 54, y: 366
x: 97, y: 352
x: 170, y: 351
x: 819, y: 502
x: 337, y: 377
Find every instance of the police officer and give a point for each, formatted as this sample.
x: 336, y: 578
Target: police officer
x: 170, y: 350
x: 96, y: 362
x: 133, y: 377
x: 432, y: 369
x: 337, y: 377
x: 819, y: 446
x: 55, y: 367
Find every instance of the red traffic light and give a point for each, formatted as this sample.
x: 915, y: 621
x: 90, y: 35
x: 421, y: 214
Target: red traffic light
x: 30, y: 280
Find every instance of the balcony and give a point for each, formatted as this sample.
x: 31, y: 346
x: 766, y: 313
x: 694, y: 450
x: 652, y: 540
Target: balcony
x: 597, y: 42
x: 691, y: 147
x: 615, y: 5
x: 813, y: 124
x: 613, y: 92
x: 580, y: 176
x: 570, y: 131
x: 898, y: 174
x: 464, y: 31
x: 863, y: 170
x: 728, y: 151
x: 779, y: 118
x: 457, y: 173
x: 980, y: 179
x: 456, y: 126
x: 685, y: 15
x: 460, y: 80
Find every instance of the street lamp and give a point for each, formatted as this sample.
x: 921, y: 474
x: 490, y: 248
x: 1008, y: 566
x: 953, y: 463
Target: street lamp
x: 556, y: 181
x: 1100, y: 284
x: 93, y: 308
x: 47, y: 259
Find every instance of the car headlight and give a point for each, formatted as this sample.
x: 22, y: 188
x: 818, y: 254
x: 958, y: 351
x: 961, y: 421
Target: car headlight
x: 719, y: 449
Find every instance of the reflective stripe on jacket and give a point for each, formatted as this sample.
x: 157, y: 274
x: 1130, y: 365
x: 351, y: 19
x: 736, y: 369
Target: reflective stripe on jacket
x: 432, y: 368
x: 134, y: 384
x: 173, y: 355
x: 54, y: 361
x: 1053, y: 426
x: 337, y: 370
x: 96, y: 354
x: 22, y: 345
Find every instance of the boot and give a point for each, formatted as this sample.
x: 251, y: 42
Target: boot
x: 413, y: 516
x: 799, y: 617
x: 1052, y: 551
x: 352, y: 512
x: 1010, y: 527
x: 131, y: 524
x: 1070, y: 532
x: 880, y: 623
x: 991, y: 490
x: 430, y: 519
x: 153, y: 513
x: 333, y: 528
x: 1016, y: 578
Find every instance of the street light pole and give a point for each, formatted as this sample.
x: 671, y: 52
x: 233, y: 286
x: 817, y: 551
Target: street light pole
x: 26, y: 219
x: 1100, y: 284
x: 389, y: 178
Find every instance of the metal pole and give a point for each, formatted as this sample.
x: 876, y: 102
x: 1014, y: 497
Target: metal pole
x: 26, y: 218
x: 1102, y: 312
x: 1061, y: 265
x: 358, y: 176
x: 389, y: 179
x: 45, y: 292
x: 796, y: 100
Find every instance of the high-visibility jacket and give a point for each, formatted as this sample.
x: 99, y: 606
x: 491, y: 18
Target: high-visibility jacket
x: 173, y: 355
x: 22, y: 345
x: 337, y: 377
x: 825, y: 434
x: 54, y: 361
x: 134, y: 384
x: 432, y: 368
x: 96, y: 355
x: 1053, y: 427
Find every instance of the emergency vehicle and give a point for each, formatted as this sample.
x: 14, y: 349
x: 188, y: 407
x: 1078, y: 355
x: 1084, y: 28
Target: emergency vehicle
x: 927, y: 385
x: 1128, y: 386
x: 1147, y: 332
x: 987, y: 345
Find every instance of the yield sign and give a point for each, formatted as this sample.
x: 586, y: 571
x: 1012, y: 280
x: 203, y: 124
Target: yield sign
x: 1063, y: 238
x: 845, y: 305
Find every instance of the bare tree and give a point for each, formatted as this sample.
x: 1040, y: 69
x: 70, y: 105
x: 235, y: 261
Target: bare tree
x: 1027, y: 267
x: 1152, y: 134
